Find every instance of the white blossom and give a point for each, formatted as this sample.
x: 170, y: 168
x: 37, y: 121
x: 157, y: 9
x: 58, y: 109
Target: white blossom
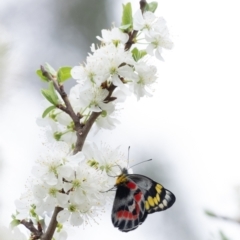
x: 155, y: 31
x: 143, y: 22
x: 94, y: 98
x: 49, y: 196
x: 105, y: 64
x: 76, y: 213
x: 157, y: 41
x: 60, y: 235
x: 50, y: 161
x: 115, y: 36
x: 23, y: 206
x: 91, y: 72
x: 58, y: 126
x: 105, y: 159
x: 107, y: 120
x: 143, y: 79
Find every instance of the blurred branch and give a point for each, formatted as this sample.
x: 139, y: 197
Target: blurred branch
x: 223, y: 236
x: 211, y: 214
x: 142, y: 5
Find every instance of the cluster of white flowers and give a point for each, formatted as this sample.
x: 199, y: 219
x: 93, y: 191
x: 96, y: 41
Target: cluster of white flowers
x: 110, y: 74
x: 79, y: 183
x: 155, y: 30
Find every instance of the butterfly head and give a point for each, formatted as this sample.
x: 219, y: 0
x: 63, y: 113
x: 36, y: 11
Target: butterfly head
x: 122, y: 178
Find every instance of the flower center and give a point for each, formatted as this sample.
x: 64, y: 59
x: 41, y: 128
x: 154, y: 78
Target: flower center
x: 52, y: 192
x: 72, y: 208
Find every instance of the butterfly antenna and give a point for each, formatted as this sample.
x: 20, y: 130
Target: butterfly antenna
x: 128, y: 156
x: 111, y: 175
x: 111, y: 189
x: 140, y: 163
x: 113, y: 166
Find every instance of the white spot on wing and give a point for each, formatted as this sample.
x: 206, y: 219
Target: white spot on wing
x: 131, y: 207
x: 165, y: 203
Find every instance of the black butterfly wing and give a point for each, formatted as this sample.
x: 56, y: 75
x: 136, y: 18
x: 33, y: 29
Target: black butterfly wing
x: 156, y: 197
x: 128, y: 208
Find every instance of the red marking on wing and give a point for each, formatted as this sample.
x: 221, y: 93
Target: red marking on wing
x: 126, y: 215
x: 138, y: 197
x: 131, y: 185
x: 129, y: 215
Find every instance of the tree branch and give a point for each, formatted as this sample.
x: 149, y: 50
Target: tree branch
x: 81, y: 130
x: 52, y: 225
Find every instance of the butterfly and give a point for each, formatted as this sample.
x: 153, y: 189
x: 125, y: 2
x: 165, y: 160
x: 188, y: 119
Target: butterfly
x: 136, y: 197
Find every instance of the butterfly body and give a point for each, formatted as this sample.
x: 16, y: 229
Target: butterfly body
x: 136, y: 197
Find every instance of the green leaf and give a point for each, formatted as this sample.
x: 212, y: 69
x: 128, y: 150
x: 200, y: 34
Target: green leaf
x: 138, y: 54
x: 152, y: 6
x: 125, y: 27
x: 53, y: 92
x: 47, y: 95
x: 39, y: 73
x: 50, y: 94
x: 63, y: 74
x: 127, y: 18
x: 14, y: 223
x: 50, y: 69
x: 47, y: 111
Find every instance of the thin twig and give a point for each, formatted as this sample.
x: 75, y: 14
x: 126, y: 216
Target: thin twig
x: 30, y: 226
x: 133, y: 34
x: 60, y: 89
